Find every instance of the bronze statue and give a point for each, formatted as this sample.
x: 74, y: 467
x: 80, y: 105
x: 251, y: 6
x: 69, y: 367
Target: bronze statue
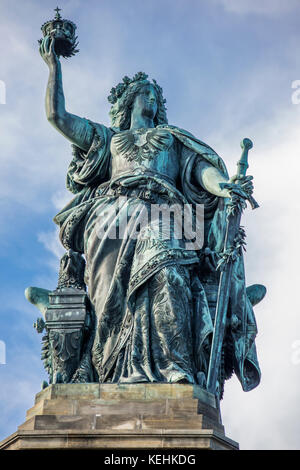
x: 152, y: 296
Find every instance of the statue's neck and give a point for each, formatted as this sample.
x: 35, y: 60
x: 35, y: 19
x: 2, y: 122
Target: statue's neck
x: 138, y: 121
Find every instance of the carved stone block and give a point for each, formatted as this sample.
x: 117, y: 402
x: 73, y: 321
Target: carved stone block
x: 66, y: 320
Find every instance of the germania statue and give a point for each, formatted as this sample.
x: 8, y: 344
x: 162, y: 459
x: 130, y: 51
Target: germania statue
x: 157, y: 307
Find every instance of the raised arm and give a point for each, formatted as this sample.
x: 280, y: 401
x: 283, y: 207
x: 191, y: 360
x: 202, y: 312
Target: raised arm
x: 74, y: 128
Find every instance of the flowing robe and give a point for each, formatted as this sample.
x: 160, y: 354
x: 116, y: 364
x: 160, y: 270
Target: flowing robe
x: 153, y: 298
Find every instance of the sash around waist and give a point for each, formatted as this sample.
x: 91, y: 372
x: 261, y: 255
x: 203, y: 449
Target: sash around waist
x: 143, y: 184
x: 140, y: 172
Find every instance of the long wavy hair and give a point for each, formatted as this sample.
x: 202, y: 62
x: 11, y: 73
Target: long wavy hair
x: 120, y: 112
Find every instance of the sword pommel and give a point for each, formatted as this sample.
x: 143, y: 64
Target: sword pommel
x: 246, y: 144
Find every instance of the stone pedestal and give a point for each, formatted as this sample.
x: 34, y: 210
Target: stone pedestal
x: 111, y: 416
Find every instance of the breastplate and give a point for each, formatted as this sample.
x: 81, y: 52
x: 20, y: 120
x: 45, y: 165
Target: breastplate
x: 151, y: 149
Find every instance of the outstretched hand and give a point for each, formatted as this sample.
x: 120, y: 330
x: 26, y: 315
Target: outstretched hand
x: 47, y: 51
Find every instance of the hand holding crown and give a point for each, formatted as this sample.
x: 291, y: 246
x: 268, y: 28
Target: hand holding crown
x: 59, y: 39
x: 47, y: 51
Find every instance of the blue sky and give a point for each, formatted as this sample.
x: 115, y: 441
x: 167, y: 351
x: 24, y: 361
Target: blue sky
x: 226, y: 67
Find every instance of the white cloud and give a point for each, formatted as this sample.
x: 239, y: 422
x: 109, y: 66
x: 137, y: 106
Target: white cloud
x: 51, y: 242
x: 60, y: 198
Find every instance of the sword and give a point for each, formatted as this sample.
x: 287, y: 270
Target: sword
x: 232, y: 227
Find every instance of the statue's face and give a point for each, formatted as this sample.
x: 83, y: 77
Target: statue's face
x: 145, y: 102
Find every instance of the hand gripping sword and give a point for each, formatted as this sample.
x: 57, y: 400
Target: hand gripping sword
x: 226, y: 265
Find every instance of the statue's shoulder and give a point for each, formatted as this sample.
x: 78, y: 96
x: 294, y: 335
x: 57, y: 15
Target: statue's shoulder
x: 172, y: 128
x: 185, y: 137
x: 101, y: 129
x: 192, y: 144
x: 181, y: 133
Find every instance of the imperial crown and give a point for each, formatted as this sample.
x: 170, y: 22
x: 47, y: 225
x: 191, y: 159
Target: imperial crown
x: 64, y: 33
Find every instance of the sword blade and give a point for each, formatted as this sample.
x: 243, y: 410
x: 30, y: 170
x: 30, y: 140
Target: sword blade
x: 219, y: 329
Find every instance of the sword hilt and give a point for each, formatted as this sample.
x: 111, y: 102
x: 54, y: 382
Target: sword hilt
x: 242, y: 166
